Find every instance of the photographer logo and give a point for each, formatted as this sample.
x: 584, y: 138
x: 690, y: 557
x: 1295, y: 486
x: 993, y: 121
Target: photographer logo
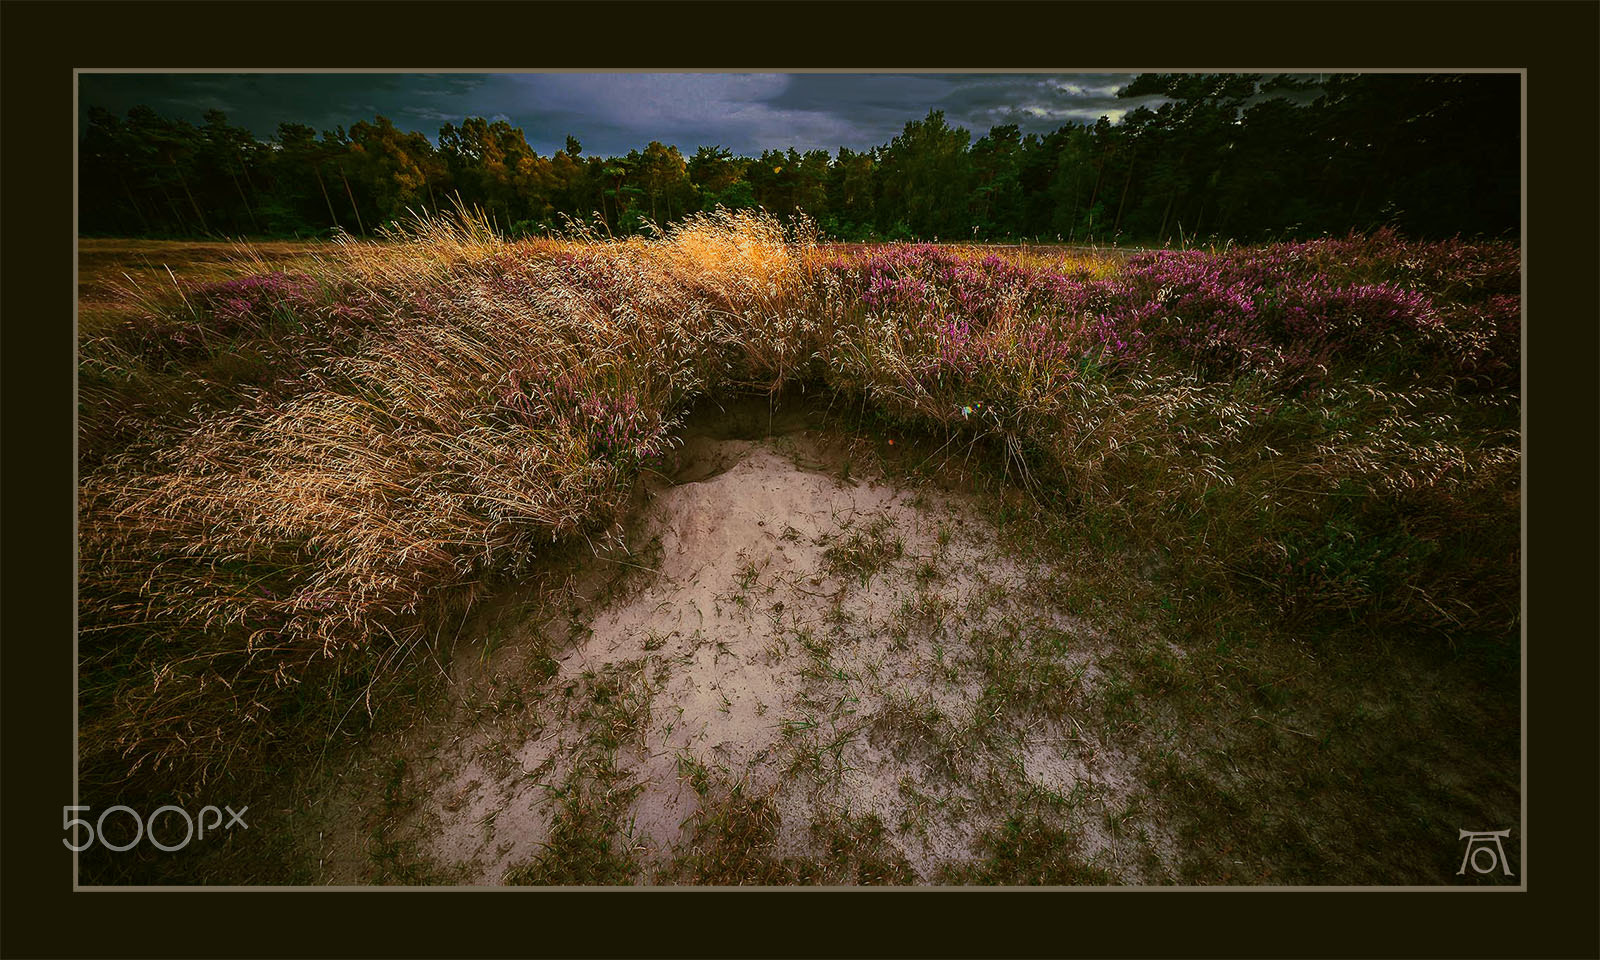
x: 1484, y: 852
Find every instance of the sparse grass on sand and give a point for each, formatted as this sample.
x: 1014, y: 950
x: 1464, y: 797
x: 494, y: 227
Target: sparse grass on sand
x: 295, y: 482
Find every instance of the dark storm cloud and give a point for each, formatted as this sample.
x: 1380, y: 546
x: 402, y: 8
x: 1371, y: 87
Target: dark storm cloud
x: 866, y: 111
x: 613, y: 113
x: 1038, y: 104
x: 259, y: 102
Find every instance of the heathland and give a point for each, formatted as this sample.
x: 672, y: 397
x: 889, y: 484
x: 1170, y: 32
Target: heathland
x: 726, y: 556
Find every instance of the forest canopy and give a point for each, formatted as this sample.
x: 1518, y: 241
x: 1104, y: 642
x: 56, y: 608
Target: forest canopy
x: 1244, y: 157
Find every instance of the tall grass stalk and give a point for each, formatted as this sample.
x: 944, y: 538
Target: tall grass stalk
x: 288, y: 480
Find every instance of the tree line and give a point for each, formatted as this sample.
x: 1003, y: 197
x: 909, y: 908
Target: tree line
x: 1224, y: 156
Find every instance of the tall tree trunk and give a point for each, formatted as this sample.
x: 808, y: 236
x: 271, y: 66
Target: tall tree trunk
x: 1172, y: 195
x: 247, y: 210
x: 185, y: 183
x: 352, y: 194
x: 1117, y: 225
x: 1076, y: 196
x: 325, y: 196
x: 177, y: 213
x: 245, y: 167
x: 134, y: 201
x: 1366, y: 182
x: 1099, y: 171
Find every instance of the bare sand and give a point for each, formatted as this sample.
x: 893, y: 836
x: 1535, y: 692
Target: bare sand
x: 811, y: 635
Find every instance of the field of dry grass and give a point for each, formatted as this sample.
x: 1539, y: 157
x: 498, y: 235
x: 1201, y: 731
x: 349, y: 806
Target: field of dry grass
x: 414, y: 531
x: 112, y: 273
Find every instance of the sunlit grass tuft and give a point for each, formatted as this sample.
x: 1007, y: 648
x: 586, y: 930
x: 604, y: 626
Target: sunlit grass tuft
x: 290, y: 480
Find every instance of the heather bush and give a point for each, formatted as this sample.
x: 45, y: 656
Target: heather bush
x: 1331, y: 425
x: 1263, y: 421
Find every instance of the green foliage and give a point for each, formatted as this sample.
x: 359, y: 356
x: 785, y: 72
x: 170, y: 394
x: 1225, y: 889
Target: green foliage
x: 584, y: 848
x: 1222, y: 156
x: 1027, y: 851
x: 735, y: 844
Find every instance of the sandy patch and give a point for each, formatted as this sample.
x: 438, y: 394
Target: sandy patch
x: 840, y: 645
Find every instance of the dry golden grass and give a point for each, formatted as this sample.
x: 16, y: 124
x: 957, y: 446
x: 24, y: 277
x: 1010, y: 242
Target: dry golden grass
x: 117, y: 278
x: 288, y: 485
x: 274, y: 537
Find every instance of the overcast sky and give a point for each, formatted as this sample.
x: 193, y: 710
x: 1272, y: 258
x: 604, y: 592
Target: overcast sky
x: 612, y: 113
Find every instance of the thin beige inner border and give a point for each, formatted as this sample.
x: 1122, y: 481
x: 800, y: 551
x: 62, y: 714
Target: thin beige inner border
x: 1522, y: 887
